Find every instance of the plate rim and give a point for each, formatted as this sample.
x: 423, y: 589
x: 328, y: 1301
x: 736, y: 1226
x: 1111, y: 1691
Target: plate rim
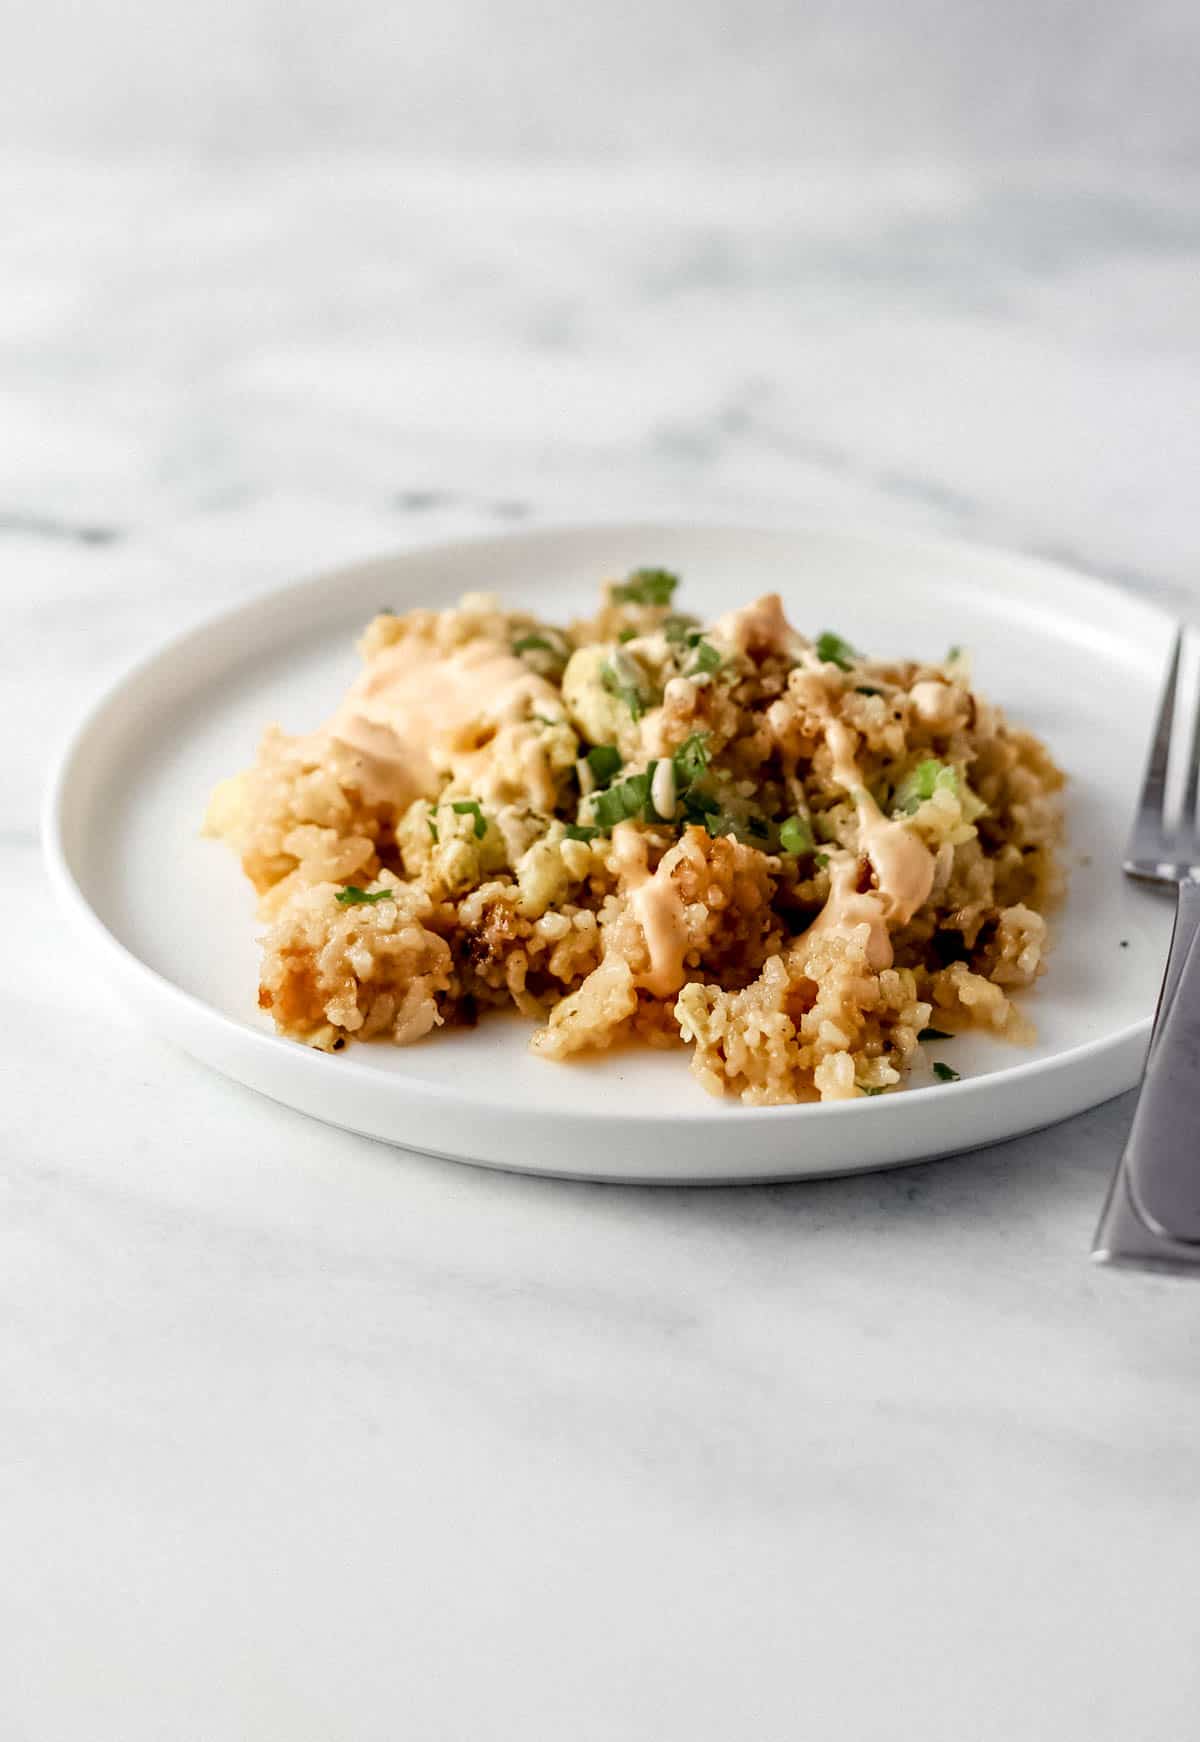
x: 148, y: 982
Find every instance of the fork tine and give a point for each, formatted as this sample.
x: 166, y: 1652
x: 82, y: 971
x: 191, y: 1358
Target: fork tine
x: 1156, y: 774
x: 1190, y: 820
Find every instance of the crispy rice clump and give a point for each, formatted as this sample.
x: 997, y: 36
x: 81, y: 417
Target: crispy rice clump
x: 787, y: 856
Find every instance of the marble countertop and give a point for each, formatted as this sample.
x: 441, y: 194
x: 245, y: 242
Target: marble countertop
x: 307, y: 1438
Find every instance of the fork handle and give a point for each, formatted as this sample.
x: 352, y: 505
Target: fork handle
x: 1162, y: 1157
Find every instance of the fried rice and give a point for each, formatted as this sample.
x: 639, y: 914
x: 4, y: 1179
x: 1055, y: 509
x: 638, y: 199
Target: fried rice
x: 788, y: 857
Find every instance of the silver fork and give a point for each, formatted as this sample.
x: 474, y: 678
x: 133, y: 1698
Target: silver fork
x: 1151, y: 1220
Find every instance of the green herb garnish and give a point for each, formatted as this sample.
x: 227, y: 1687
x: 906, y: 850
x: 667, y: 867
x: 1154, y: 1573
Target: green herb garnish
x: 627, y: 635
x: 624, y: 800
x: 934, y: 1034
x: 682, y: 631
x: 604, y: 760
x: 469, y: 807
x: 945, y: 1073
x: 353, y: 896
x: 433, y: 832
x: 652, y: 813
x: 535, y: 644
x: 624, y: 686
x: 820, y: 860
x: 870, y: 1089
x: 646, y: 587
x: 866, y: 689
x: 707, y: 658
x: 719, y: 822
x: 691, y: 758
x: 835, y: 651
x: 921, y: 782
x: 699, y: 806
x: 796, y: 837
x: 580, y: 832
x: 722, y: 822
x: 953, y: 654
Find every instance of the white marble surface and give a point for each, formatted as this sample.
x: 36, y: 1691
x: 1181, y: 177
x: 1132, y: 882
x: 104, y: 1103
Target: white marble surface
x: 304, y: 1438
x: 857, y: 79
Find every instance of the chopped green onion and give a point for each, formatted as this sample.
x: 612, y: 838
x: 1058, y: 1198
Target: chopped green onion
x: 835, y: 651
x: 353, y: 896
x: 758, y: 828
x: 469, y: 807
x: 921, y: 782
x: 691, y: 758
x: 953, y: 654
x: 622, y: 801
x: 719, y: 822
x: 945, y: 1073
x: 796, y: 836
x: 653, y: 814
x: 682, y: 631
x: 580, y: 832
x: 866, y: 689
x: 934, y: 1034
x: 707, y: 658
x: 699, y: 806
x: 433, y: 832
x: 870, y: 1089
x: 604, y: 760
x: 624, y: 687
x: 534, y: 644
x: 646, y: 587
x: 820, y: 860
x: 627, y: 635
x: 544, y: 720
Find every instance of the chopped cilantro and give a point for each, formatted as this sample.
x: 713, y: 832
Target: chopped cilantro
x: 796, y: 836
x: 934, y: 1034
x: 604, y: 760
x: 707, y: 658
x: 580, y: 832
x: 621, y: 801
x: 353, y: 896
x: 921, y: 782
x: 834, y: 651
x: 469, y: 807
x: 691, y: 758
x: 646, y: 587
x: 945, y: 1073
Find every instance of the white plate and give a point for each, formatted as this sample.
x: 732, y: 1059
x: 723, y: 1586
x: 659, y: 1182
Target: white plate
x: 171, y: 919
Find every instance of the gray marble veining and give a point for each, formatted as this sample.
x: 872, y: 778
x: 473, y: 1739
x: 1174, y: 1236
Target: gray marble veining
x: 302, y: 1437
